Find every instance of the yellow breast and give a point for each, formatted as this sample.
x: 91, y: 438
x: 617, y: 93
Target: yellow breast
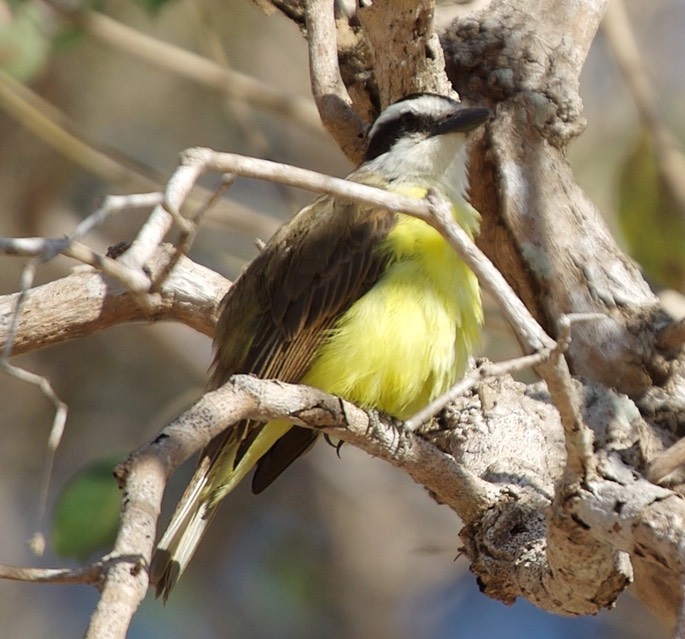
x: 408, y: 339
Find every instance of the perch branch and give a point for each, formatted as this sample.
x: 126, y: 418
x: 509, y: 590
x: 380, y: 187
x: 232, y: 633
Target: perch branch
x: 144, y: 474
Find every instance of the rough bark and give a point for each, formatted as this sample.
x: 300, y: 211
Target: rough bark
x: 570, y: 538
x: 524, y: 60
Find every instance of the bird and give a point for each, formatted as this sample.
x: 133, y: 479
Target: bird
x: 359, y: 301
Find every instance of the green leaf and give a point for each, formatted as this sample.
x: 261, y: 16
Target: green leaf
x: 87, y: 512
x: 652, y: 223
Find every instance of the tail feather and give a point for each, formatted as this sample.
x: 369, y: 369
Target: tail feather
x: 183, y: 534
x: 216, y: 476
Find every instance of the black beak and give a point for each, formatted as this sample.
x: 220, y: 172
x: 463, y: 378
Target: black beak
x: 463, y: 121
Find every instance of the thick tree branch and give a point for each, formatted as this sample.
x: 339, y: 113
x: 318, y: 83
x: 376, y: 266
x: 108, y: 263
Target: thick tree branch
x: 401, y: 30
x: 545, y: 479
x: 474, y: 466
x: 539, y: 227
x: 87, y: 302
x: 145, y: 473
x: 544, y: 235
x: 328, y: 90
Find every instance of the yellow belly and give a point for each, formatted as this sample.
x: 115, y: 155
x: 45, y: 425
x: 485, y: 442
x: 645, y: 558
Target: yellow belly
x: 408, y: 339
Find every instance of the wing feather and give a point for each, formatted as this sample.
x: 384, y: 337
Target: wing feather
x: 305, y: 289
x: 272, y: 323
x: 287, y: 301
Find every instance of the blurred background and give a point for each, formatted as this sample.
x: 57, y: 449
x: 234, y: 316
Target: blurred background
x: 336, y: 548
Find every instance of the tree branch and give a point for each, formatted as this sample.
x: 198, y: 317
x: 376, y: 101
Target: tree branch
x: 87, y: 302
x: 328, y: 90
x: 546, y: 479
x: 401, y: 30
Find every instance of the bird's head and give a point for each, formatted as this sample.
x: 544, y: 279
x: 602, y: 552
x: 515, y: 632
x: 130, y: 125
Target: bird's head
x: 421, y: 133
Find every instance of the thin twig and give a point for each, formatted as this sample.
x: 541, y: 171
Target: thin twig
x: 526, y: 328
x: 472, y: 379
x: 114, y: 204
x: 60, y: 416
x: 578, y: 437
x: 90, y: 574
x: 46, y: 249
x: 198, y: 160
x: 188, y: 235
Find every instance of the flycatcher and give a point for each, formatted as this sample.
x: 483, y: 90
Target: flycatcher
x: 359, y: 301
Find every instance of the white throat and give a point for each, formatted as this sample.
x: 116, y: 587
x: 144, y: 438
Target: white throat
x: 437, y: 162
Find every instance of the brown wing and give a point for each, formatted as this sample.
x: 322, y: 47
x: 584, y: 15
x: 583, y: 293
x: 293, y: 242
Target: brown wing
x: 275, y: 317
